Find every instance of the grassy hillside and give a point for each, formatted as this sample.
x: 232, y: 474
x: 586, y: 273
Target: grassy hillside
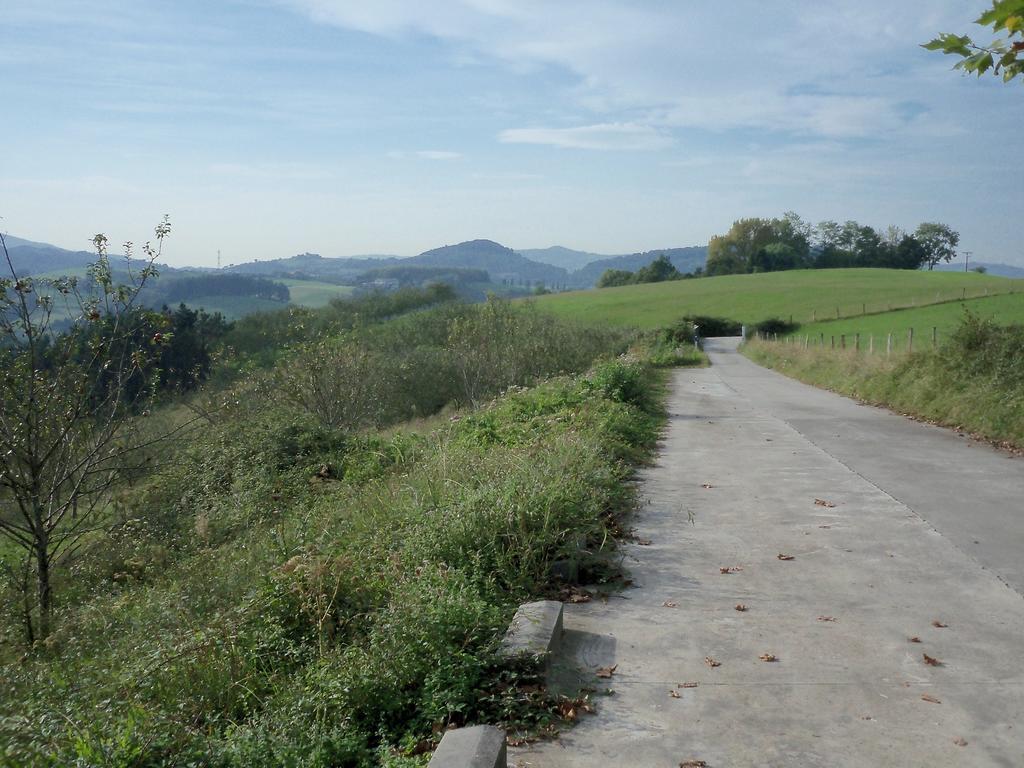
x: 804, y: 294
x: 945, y: 318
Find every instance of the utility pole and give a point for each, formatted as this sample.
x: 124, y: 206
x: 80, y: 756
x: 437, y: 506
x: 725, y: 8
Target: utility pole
x: 218, y: 258
x: 967, y: 260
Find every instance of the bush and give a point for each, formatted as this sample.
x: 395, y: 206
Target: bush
x: 773, y: 327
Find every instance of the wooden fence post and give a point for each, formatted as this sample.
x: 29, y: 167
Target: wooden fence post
x: 910, y: 340
x: 856, y: 342
x: 871, y: 343
x: 833, y: 342
x: 935, y: 337
x: 888, y: 345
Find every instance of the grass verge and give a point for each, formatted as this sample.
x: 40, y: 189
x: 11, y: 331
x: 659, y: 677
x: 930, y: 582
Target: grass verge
x: 973, y: 381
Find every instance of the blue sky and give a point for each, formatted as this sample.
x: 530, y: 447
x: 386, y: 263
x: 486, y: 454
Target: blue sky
x: 267, y: 128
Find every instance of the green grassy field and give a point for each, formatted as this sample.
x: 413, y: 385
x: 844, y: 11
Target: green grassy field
x: 944, y: 318
x: 314, y: 294
x: 806, y: 295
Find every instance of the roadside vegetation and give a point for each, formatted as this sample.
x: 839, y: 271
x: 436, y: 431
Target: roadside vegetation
x: 973, y: 380
x: 316, y: 569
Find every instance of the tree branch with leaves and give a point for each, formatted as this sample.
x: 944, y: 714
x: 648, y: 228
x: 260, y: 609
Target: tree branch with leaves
x: 1004, y: 56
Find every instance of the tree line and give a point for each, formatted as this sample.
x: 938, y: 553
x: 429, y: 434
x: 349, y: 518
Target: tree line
x: 773, y: 245
x: 658, y: 271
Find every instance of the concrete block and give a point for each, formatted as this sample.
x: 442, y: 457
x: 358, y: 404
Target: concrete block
x: 479, y: 746
x: 536, y: 630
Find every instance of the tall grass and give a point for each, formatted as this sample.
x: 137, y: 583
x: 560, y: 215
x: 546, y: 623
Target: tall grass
x: 973, y: 380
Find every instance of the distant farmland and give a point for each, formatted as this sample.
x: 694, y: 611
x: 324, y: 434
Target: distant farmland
x: 806, y: 295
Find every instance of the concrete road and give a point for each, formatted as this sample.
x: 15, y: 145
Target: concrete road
x: 746, y: 455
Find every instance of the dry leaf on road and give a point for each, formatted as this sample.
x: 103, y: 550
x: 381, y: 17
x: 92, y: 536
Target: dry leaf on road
x: 785, y: 557
x: 712, y: 662
x: 687, y: 685
x: 644, y: 542
x: 930, y: 698
x: 768, y: 657
x: 823, y: 503
x: 673, y: 693
x: 693, y: 764
x: 606, y: 671
x: 939, y: 625
x: 707, y: 485
x: 730, y: 569
x: 827, y: 618
x: 960, y: 741
x: 670, y: 604
x: 931, y: 661
x: 914, y: 639
x: 740, y: 607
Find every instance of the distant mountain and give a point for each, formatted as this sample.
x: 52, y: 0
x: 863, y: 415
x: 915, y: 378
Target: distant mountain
x: 503, y: 264
x: 558, y: 256
x: 684, y: 259
x: 1000, y: 270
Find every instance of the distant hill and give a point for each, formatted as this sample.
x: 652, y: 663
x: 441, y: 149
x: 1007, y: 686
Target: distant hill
x: 32, y: 258
x: 313, y: 265
x: 38, y: 258
x: 684, y: 259
x: 1000, y: 270
x: 558, y: 256
x: 503, y: 264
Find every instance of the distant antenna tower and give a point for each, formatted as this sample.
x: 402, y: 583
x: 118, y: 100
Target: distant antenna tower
x: 218, y: 258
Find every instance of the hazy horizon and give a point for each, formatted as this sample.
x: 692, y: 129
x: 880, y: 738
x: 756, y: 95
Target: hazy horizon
x: 268, y: 128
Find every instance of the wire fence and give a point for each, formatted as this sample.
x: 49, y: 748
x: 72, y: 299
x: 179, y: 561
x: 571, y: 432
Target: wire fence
x: 842, y: 312
x: 898, y: 342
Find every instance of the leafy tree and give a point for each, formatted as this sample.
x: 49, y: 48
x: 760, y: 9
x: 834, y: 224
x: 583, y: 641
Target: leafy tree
x: 1003, y: 56
x: 939, y: 242
x: 71, y: 407
x: 658, y: 271
x: 733, y: 252
x: 613, y: 278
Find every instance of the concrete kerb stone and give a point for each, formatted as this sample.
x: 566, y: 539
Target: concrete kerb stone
x: 536, y: 630
x: 478, y: 746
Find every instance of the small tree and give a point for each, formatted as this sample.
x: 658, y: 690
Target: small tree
x: 939, y: 242
x: 71, y: 400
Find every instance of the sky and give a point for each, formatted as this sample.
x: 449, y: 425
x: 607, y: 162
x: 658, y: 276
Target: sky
x: 267, y: 128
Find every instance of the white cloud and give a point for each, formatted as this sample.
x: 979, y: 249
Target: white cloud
x: 604, y: 136
x: 809, y: 67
